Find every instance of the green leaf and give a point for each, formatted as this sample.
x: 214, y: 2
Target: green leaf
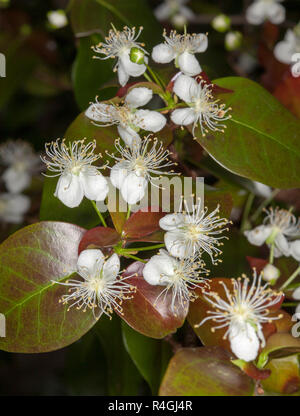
x: 123, y: 377
x: 261, y: 141
x: 150, y: 356
x: 30, y: 260
x: 204, y: 372
x: 285, y: 375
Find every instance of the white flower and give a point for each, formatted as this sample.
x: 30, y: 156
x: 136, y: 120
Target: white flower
x: 13, y: 207
x: 295, y: 249
x: 296, y: 293
x: 181, y: 48
x: 285, y: 49
x: 260, y: 189
x: 261, y: 10
x: 202, y: 108
x: 221, y: 23
x: 189, y: 234
x: 175, y: 10
x: 102, y: 287
x: 57, y: 18
x: 128, y: 119
x: 118, y: 45
x: 180, y: 276
x: 270, y: 273
x: 78, y: 178
x: 233, y: 40
x: 22, y: 163
x: 244, y: 312
x: 278, y: 226
x: 136, y: 167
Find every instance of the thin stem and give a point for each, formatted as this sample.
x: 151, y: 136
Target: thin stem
x: 147, y: 77
x: 99, y: 214
x: 155, y: 78
x: 290, y: 304
x: 271, y: 258
x: 135, y: 258
x: 143, y: 248
x: 128, y: 212
x: 247, y: 210
x: 263, y: 205
x: 291, y: 278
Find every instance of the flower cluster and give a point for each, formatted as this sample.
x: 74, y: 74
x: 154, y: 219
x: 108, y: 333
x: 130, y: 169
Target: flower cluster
x: 174, y: 10
x: 286, y: 50
x: 188, y: 235
x: 20, y: 163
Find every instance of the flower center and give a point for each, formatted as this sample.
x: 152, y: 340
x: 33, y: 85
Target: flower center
x: 193, y: 231
x: 140, y: 167
x: 76, y: 168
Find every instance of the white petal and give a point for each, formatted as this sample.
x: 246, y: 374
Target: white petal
x: 129, y: 136
x: 123, y: 76
x: 99, y: 112
x: 183, y: 116
x: 160, y: 269
x: 171, y: 221
x: 262, y: 189
x: 295, y: 250
x: 16, y: 181
x: 276, y: 13
x: 283, y: 51
x: 296, y: 294
x: 138, y: 97
x: 187, y: 13
x: 94, y: 184
x: 150, y: 120
x: 111, y: 267
x: 282, y: 244
x: 258, y: 235
x: 188, y: 64
x: 162, y: 12
x: 90, y: 263
x: 133, y: 188
x: 163, y: 53
x: 176, y: 245
x: 15, y: 206
x: 131, y: 68
x: 256, y: 13
x: 244, y: 341
x: 270, y: 273
x: 186, y: 88
x: 118, y: 174
x: 69, y: 190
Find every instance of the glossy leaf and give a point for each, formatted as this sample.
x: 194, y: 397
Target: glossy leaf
x: 30, y: 260
x: 150, y: 356
x: 204, y: 372
x: 142, y: 223
x: 146, y: 313
x: 284, y: 376
x: 122, y: 376
x: 260, y: 136
x: 99, y: 237
x: 280, y: 345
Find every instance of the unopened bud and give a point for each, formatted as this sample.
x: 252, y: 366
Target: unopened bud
x: 57, y: 19
x: 233, y: 40
x: 221, y: 23
x: 137, y: 56
x: 270, y: 273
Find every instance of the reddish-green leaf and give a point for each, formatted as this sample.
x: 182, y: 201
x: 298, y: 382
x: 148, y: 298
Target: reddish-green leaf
x: 30, y: 260
x: 141, y: 224
x: 145, y: 312
x: 99, y: 237
x: 284, y: 376
x: 204, y: 372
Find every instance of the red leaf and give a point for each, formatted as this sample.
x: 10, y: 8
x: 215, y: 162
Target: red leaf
x: 147, y: 314
x: 252, y: 371
x: 142, y: 223
x: 99, y: 237
x: 256, y: 263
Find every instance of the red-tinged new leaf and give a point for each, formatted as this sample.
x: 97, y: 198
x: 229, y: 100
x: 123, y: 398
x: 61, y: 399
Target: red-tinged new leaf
x: 145, y: 312
x: 99, y: 237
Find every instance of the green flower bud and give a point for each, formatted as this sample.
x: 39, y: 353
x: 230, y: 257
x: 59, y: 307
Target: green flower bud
x: 221, y: 23
x: 137, y: 56
x: 233, y: 40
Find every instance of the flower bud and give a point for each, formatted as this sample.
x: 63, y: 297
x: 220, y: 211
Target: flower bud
x: 57, y: 19
x: 137, y: 56
x: 233, y: 40
x: 270, y: 273
x: 221, y: 23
